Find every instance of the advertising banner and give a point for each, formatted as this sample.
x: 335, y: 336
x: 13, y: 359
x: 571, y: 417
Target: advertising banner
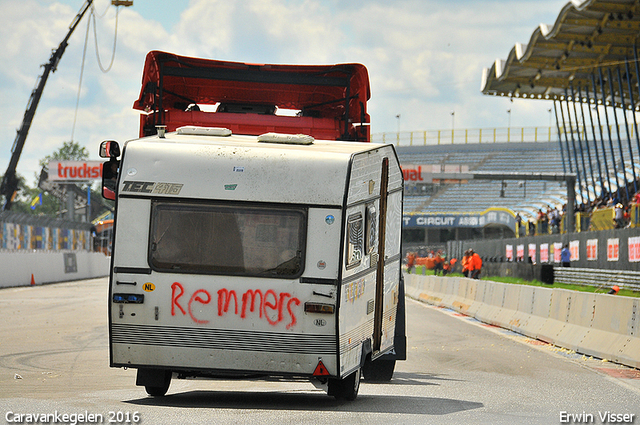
x: 74, y: 171
x: 634, y: 249
x: 428, y: 173
x: 532, y: 252
x: 471, y: 220
x: 557, y: 252
x: 574, y: 247
x: 544, y: 252
x: 613, y: 249
x: 520, y: 252
x: 592, y: 250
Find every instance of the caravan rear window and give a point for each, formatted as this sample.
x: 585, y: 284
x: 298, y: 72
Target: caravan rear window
x: 355, y: 245
x: 227, y: 239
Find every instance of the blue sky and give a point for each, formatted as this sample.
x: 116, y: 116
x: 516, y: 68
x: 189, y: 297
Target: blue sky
x: 425, y: 59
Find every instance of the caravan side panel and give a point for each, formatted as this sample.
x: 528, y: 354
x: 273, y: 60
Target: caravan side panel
x: 132, y: 232
x: 358, y: 287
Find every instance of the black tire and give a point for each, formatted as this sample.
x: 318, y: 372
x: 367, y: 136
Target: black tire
x: 347, y: 388
x: 380, y: 370
x: 160, y: 391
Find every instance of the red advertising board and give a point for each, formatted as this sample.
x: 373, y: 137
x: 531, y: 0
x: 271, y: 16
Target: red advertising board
x: 613, y: 249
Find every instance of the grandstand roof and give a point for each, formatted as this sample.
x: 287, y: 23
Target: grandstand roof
x: 587, y: 35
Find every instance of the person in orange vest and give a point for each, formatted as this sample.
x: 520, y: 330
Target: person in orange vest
x: 452, y: 264
x: 448, y: 266
x: 438, y: 263
x: 475, y: 265
x: 465, y: 263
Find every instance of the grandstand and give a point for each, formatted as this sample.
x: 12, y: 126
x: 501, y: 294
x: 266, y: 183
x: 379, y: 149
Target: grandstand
x: 478, y: 195
x: 469, y: 207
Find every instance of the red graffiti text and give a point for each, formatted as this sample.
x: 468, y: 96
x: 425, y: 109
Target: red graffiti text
x: 273, y: 307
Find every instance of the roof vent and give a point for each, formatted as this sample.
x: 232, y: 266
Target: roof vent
x: 191, y: 130
x: 287, y: 139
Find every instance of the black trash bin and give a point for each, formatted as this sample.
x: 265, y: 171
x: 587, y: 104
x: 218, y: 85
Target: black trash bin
x: 546, y: 274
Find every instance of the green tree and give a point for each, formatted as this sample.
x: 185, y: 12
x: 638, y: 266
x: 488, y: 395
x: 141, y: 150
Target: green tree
x: 70, y: 151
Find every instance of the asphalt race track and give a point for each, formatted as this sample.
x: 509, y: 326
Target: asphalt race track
x: 54, y: 361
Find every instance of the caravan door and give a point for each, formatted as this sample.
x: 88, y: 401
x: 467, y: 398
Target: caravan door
x: 379, y: 297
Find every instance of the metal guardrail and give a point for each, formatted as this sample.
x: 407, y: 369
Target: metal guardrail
x: 625, y: 279
x: 493, y: 135
x: 470, y: 135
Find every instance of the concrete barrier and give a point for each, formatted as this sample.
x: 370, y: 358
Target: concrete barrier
x: 557, y: 320
x: 510, y: 301
x: 492, y: 303
x: 422, y: 289
x: 478, y: 299
x: 449, y: 288
x: 599, y: 325
x: 614, y: 332
x: 579, y: 320
x: 472, y: 291
x: 466, y: 293
x: 18, y: 267
x: 533, y: 310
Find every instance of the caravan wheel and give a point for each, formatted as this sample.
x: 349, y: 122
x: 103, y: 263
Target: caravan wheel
x: 161, y: 390
x: 347, y: 388
x: 379, y: 370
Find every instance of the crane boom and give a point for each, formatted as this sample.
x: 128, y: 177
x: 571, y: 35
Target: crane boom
x: 10, y: 181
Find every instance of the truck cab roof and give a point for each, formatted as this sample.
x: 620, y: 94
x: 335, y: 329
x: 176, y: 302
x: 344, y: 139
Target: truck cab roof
x: 330, y: 100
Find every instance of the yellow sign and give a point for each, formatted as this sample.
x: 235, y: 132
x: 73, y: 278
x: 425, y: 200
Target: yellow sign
x: 148, y: 287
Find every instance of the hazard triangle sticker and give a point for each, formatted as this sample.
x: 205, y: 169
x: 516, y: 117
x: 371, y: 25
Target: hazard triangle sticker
x: 321, y: 370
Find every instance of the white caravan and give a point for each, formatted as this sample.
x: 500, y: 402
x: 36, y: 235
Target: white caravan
x: 251, y: 255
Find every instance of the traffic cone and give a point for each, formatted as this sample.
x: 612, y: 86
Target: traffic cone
x: 33, y: 282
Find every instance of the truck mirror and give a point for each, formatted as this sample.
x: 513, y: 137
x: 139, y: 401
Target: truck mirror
x: 109, y: 177
x: 109, y: 149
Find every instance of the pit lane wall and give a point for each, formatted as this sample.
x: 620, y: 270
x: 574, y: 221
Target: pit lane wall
x: 18, y: 267
x: 600, y: 325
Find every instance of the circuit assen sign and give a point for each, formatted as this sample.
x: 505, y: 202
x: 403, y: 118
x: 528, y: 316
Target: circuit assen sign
x: 75, y: 170
x: 469, y: 220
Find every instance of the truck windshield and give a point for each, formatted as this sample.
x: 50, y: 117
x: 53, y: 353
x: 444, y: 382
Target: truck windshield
x: 227, y: 239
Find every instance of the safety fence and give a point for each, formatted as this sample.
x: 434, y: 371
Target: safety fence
x: 625, y: 279
x: 600, y: 325
x: 499, y: 134
x: 19, y: 232
x: 469, y: 135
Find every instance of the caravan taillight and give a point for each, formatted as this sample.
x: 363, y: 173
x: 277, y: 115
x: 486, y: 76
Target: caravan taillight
x: 319, y: 308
